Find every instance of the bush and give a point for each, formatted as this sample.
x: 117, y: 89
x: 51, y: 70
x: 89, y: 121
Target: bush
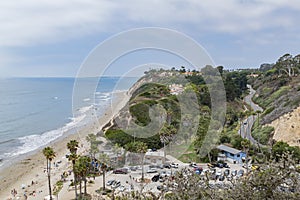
x: 262, y: 134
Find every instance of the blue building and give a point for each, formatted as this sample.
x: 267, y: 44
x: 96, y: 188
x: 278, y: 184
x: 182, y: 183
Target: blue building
x: 230, y: 154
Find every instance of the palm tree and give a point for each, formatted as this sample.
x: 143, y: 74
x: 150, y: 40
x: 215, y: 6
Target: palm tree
x: 104, y: 163
x: 50, y: 155
x: 141, y: 148
x: 138, y: 147
x: 166, y: 134
x: 82, y: 169
x: 72, y: 146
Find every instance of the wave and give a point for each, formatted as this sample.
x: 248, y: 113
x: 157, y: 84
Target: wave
x: 119, y: 91
x: 85, y: 109
x: 32, y: 142
x: 6, y: 141
x: 86, y: 99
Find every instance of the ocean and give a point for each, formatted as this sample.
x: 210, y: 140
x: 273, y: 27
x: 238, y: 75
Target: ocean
x: 36, y: 111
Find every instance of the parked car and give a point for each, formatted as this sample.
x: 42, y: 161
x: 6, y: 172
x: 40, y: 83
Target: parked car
x: 234, y: 172
x: 151, y: 170
x: 245, y: 165
x: 133, y: 168
x: 213, y: 177
x: 240, y: 173
x: 162, y: 179
x: 159, y: 166
x: 220, y: 165
x: 254, y: 167
x: 192, y: 164
x: 168, y: 166
x: 174, y: 165
x: 163, y: 174
x: 219, y: 173
x: 198, y: 168
x: 155, y: 178
x: 110, y: 182
x: 221, y: 178
x: 226, y: 172
x: 226, y: 165
x: 121, y: 171
x: 211, y: 165
x: 116, y: 184
x: 121, y: 188
x: 198, y: 171
x: 213, y: 170
x: 162, y: 188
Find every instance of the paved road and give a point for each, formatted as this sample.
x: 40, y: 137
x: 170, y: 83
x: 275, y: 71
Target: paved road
x: 245, y: 129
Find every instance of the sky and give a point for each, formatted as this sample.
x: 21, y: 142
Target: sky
x: 53, y: 38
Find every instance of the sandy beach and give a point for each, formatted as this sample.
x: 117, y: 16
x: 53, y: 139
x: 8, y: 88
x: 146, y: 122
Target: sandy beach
x: 30, y: 171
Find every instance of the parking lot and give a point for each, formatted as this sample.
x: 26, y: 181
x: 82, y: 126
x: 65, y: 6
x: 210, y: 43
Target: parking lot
x: 132, y: 179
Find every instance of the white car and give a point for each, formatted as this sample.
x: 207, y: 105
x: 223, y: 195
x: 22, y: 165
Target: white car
x: 174, y: 165
x: 151, y: 170
x: 219, y: 173
x: 121, y: 188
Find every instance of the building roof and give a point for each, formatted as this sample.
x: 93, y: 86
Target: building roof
x: 228, y: 149
x: 155, y: 153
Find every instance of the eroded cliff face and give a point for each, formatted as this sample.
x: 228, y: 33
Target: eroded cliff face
x: 287, y: 128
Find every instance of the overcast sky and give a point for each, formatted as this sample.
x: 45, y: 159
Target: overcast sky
x: 52, y: 38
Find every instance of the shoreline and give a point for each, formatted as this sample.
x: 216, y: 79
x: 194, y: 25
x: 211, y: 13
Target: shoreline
x: 30, y: 166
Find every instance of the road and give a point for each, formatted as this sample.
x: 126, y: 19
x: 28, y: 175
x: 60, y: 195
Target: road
x: 246, y: 126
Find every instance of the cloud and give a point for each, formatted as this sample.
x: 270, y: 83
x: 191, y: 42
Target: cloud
x: 31, y: 22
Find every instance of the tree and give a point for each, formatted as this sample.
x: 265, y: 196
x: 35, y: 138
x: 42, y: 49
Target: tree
x: 246, y: 145
x: 92, y: 139
x: 73, y: 146
x: 117, y: 149
x: 281, y: 149
x: 104, y: 161
x: 82, y: 168
x: 166, y: 134
x: 287, y: 64
x: 50, y: 155
x: 140, y: 148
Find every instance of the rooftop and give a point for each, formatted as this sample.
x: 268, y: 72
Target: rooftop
x: 228, y: 149
x: 155, y: 153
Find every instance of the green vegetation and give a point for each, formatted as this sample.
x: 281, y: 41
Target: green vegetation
x: 150, y: 94
x: 122, y: 138
x: 280, y: 150
x: 277, y: 88
x: 262, y: 134
x: 58, y: 186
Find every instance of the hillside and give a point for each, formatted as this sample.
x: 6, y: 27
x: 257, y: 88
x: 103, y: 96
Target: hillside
x: 278, y: 92
x: 287, y: 128
x: 184, y: 103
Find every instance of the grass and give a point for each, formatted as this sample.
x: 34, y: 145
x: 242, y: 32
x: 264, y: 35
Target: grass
x: 189, y: 155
